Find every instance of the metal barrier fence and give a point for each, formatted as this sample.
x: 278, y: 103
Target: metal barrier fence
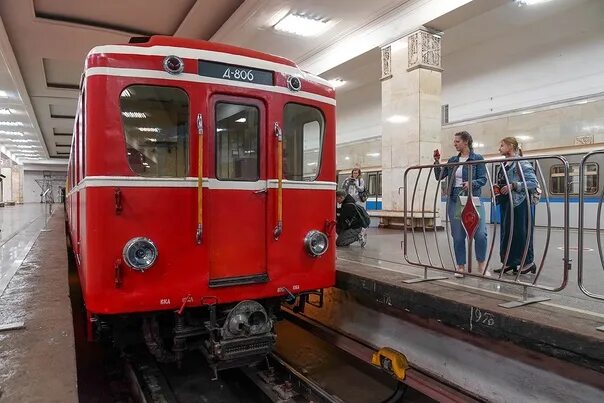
x: 427, y: 252
x: 581, y: 243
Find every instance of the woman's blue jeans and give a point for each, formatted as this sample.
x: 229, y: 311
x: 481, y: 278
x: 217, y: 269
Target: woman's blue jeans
x: 459, y: 233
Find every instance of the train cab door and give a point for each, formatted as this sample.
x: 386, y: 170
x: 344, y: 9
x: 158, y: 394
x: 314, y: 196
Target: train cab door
x: 237, y: 195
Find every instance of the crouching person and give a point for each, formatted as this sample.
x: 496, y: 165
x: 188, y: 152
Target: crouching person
x: 349, y: 224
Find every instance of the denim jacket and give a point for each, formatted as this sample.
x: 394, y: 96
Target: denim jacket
x: 515, y: 180
x: 479, y: 173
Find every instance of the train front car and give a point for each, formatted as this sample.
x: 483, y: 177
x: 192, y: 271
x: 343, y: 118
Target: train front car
x: 203, y: 194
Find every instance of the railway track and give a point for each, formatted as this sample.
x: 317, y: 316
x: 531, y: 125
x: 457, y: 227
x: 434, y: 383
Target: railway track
x: 271, y: 381
x: 278, y: 379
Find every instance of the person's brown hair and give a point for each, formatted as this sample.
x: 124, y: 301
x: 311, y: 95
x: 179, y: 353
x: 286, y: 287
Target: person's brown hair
x: 511, y: 141
x: 467, y: 137
x: 355, y: 169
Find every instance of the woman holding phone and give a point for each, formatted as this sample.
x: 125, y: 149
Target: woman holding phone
x: 459, y: 175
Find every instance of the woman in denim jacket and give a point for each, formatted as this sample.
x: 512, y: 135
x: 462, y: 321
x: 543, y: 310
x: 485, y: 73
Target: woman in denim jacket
x: 459, y: 175
x: 523, y: 219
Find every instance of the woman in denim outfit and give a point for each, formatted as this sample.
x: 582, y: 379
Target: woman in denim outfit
x: 522, y: 211
x: 459, y: 175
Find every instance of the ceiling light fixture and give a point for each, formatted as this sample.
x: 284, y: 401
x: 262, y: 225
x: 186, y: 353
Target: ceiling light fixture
x: 521, y: 3
x: 21, y: 140
x: 302, y: 25
x: 373, y: 154
x: 241, y: 120
x: 337, y: 82
x: 149, y: 129
x: 11, y: 133
x: 4, y: 123
x: 3, y: 94
x: 398, y: 119
x: 5, y: 111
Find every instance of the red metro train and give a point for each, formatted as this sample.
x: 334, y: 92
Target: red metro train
x: 200, y: 194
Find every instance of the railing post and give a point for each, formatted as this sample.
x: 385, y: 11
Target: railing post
x: 47, y: 211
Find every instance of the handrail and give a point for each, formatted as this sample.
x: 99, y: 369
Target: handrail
x: 199, y: 232
x: 279, y: 137
x: 580, y: 257
x: 433, y: 263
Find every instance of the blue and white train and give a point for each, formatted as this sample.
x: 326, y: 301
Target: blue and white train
x: 553, y: 173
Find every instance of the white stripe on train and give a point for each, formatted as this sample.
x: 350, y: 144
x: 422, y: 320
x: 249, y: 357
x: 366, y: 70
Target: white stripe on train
x: 209, y: 55
x: 191, y: 182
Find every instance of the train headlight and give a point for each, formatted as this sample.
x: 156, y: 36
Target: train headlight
x: 316, y: 243
x: 140, y: 253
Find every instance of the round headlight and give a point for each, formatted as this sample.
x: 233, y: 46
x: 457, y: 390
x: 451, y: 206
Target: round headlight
x: 174, y: 65
x: 140, y: 253
x: 294, y: 83
x: 316, y: 243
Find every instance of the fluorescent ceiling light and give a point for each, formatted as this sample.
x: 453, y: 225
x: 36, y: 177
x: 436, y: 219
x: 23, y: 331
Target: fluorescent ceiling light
x: 3, y: 94
x: 26, y: 146
x: 4, y: 123
x: 373, y: 154
x: 302, y: 25
x: 135, y: 115
x: 478, y: 145
x: 527, y: 112
x: 530, y: 2
x: 153, y: 140
x: 11, y: 133
x: 241, y: 120
x: 524, y: 138
x: 21, y: 140
x: 149, y: 129
x: 5, y: 111
x: 311, y: 164
x: 337, y: 82
x: 398, y: 119
x: 347, y: 158
x: 127, y: 93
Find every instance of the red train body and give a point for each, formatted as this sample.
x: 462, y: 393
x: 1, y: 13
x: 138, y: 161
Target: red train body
x: 134, y: 172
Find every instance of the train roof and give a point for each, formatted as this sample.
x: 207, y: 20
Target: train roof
x: 159, y: 45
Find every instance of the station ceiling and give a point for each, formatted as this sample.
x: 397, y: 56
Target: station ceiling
x: 43, y: 44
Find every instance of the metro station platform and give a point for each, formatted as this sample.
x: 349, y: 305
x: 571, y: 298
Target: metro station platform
x: 564, y: 327
x: 37, y: 353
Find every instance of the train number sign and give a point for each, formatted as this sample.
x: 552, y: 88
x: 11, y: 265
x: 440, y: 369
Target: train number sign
x: 235, y: 73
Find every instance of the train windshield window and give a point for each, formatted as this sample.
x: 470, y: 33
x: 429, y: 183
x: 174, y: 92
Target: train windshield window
x: 237, y: 139
x: 591, y: 179
x: 156, y: 126
x: 302, y: 142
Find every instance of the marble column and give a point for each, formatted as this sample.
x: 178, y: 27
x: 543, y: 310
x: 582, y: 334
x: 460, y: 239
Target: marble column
x: 411, y: 118
x: 17, y: 183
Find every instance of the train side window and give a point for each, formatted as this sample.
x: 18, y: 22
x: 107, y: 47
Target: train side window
x: 304, y: 127
x: 372, y: 185
x: 591, y: 179
x: 156, y: 127
x: 237, y: 139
